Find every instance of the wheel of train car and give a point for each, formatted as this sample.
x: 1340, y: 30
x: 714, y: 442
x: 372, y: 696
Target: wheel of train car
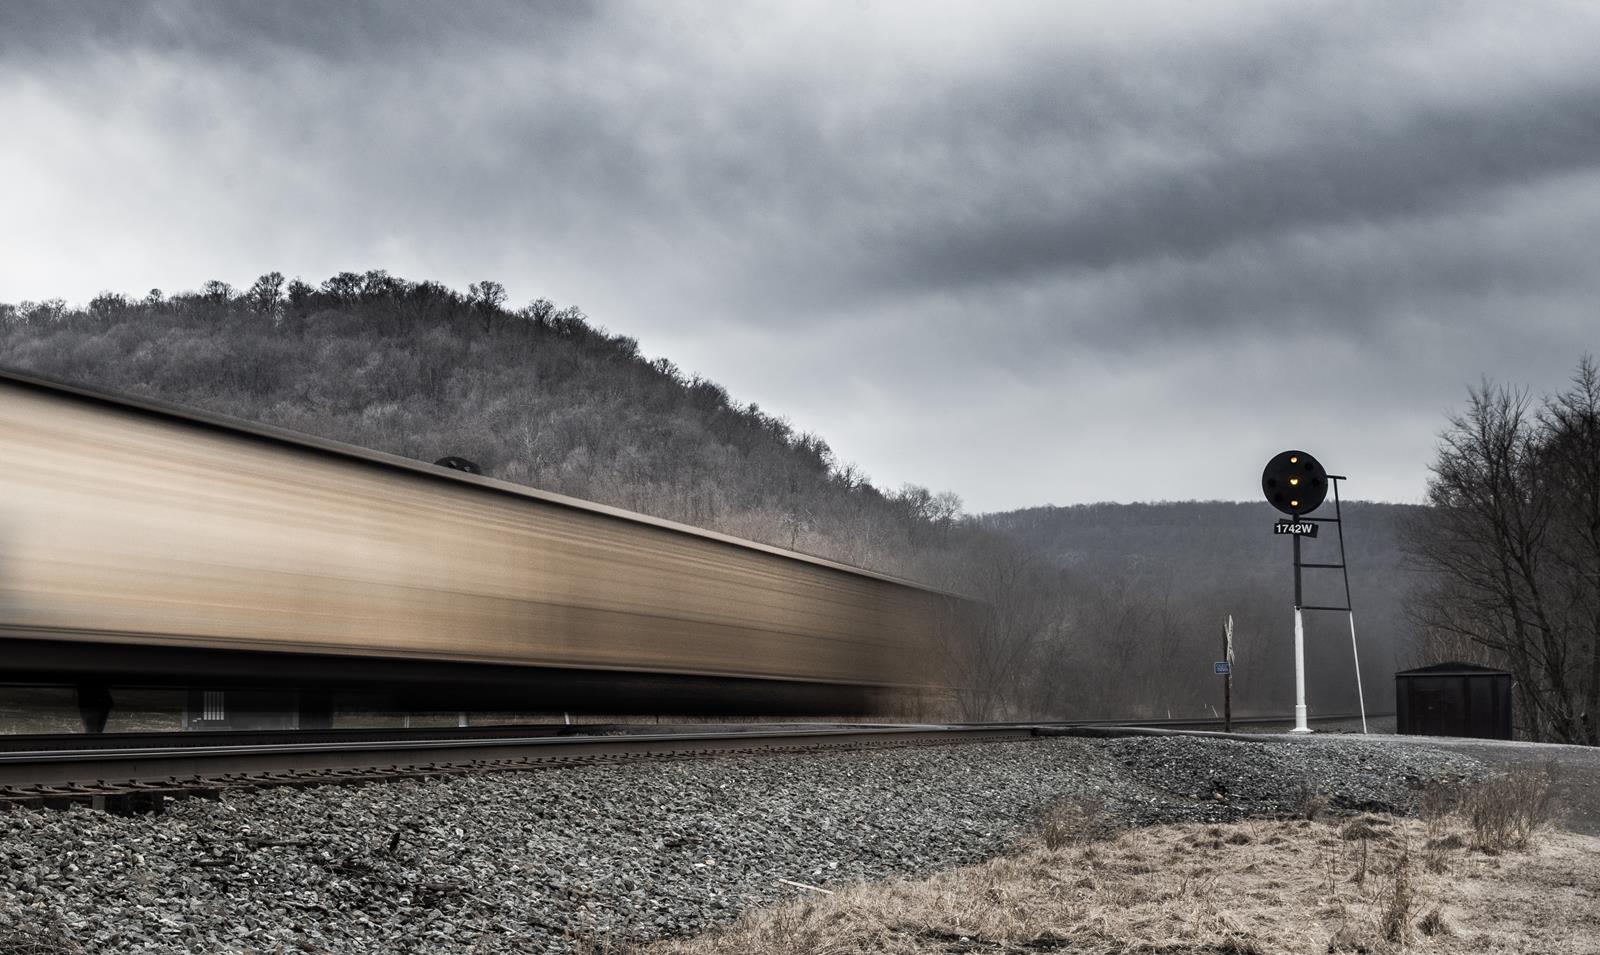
x: 458, y: 464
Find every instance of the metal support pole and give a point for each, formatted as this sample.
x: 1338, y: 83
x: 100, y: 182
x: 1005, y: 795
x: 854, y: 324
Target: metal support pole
x: 1227, y: 687
x: 1360, y: 696
x: 1344, y: 568
x: 1297, y: 601
x: 1299, y: 650
x: 1299, y: 675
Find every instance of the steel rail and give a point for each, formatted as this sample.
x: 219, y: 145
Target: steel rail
x: 137, y: 779
x: 40, y: 742
x: 1212, y: 721
x: 373, y: 737
x: 136, y: 772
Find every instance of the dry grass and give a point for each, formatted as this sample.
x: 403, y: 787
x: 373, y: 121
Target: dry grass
x: 1357, y: 885
x: 1506, y: 812
x: 1068, y: 824
x: 1313, y: 804
x: 37, y: 939
x: 1397, y: 898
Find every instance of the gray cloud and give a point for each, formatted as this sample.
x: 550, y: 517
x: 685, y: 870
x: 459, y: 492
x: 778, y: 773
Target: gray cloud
x: 996, y: 249
x: 254, y: 33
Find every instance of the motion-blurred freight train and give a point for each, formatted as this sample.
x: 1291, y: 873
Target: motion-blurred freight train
x: 145, y: 545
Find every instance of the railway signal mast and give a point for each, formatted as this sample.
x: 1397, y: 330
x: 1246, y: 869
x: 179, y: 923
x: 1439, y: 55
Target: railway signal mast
x: 1296, y: 483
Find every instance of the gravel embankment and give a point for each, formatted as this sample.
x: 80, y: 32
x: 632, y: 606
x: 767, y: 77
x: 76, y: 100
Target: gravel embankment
x: 1227, y: 780
x: 515, y: 862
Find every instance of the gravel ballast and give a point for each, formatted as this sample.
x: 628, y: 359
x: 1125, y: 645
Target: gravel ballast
x: 541, y: 861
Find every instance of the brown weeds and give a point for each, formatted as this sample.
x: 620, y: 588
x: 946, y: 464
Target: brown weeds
x: 1397, y: 900
x: 1438, y: 803
x: 1068, y: 824
x: 1433, y: 923
x: 1505, y: 812
x: 36, y: 939
x: 1313, y: 804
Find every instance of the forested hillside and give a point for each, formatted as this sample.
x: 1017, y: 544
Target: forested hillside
x: 1094, y: 611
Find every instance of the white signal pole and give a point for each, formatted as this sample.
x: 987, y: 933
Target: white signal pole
x: 1299, y: 669
x: 1299, y: 650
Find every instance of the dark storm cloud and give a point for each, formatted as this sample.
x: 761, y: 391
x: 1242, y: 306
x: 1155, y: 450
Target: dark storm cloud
x: 1435, y: 162
x: 235, y: 29
x: 944, y: 237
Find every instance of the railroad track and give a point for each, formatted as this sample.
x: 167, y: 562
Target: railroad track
x: 138, y: 772
x: 140, y: 778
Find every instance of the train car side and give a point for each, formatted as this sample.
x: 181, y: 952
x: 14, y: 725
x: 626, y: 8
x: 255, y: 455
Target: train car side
x: 126, y: 526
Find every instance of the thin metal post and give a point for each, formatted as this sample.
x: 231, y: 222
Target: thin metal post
x: 1360, y: 697
x: 1344, y: 565
x: 1227, y: 686
x: 1299, y: 676
x: 1297, y: 600
x: 1299, y: 650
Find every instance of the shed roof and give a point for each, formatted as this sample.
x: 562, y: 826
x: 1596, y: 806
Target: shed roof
x: 1454, y: 669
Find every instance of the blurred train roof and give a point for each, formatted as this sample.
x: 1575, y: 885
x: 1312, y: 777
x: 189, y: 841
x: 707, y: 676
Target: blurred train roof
x: 238, y: 427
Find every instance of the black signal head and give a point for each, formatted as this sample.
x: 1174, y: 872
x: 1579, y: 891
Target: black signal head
x: 1294, y: 483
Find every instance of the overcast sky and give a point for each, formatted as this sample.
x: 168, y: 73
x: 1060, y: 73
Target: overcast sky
x: 1030, y: 253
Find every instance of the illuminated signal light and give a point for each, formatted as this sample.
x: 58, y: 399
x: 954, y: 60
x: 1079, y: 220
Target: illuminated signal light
x: 1294, y: 483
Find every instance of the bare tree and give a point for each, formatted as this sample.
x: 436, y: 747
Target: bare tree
x: 944, y: 510
x: 991, y: 645
x: 266, y: 294
x: 487, y: 297
x: 344, y: 288
x: 1514, y: 537
x: 1570, y: 424
x: 216, y: 292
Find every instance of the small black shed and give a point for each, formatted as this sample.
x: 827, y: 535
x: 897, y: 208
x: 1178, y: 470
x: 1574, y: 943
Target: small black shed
x: 1453, y: 699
